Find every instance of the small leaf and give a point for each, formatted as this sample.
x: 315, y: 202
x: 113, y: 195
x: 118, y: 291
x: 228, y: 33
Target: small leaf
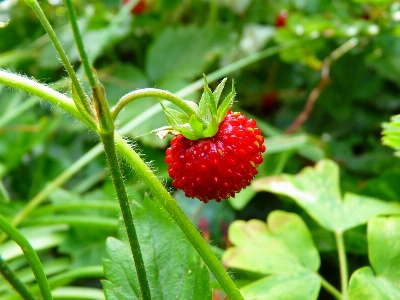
x: 212, y: 128
x: 174, y: 117
x: 382, y: 281
x: 218, y: 90
x: 317, y: 191
x: 226, y: 104
x: 283, y: 245
x: 207, y: 106
x: 299, y: 286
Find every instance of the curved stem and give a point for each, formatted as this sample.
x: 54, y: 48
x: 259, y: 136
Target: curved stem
x: 330, y: 288
x: 160, y: 193
x: 42, y: 91
x: 17, y: 284
x: 344, y: 276
x: 116, y: 175
x: 30, y: 255
x: 82, y: 100
x: 151, y: 92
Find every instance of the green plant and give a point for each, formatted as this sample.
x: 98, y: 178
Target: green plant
x: 332, y: 71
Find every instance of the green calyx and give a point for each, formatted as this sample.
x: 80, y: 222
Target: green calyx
x: 199, y: 121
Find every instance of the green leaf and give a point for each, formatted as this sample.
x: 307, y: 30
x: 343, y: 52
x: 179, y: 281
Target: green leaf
x: 226, y: 104
x: 218, y: 90
x: 382, y: 281
x: 196, y: 125
x: 283, y: 245
x: 299, y: 286
x: 207, y: 106
x: 317, y: 191
x: 175, y: 54
x: 174, y: 269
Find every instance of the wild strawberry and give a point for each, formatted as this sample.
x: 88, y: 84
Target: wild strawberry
x: 215, y: 152
x: 139, y: 8
x: 220, y: 166
x: 280, y: 20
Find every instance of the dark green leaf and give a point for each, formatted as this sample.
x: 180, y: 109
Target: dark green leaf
x: 174, y: 269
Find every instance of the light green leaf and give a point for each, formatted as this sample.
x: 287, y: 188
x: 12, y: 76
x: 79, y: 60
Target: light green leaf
x: 316, y: 190
x: 299, y: 286
x: 226, y: 104
x: 283, y: 245
x: 196, y: 125
x: 382, y: 281
x: 174, y: 269
x: 218, y: 90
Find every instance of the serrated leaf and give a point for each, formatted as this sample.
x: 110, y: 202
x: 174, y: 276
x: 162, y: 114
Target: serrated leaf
x: 226, y: 104
x: 174, y: 269
x: 316, y: 190
x: 299, y: 286
x: 218, y: 90
x: 282, y: 245
x: 382, y: 279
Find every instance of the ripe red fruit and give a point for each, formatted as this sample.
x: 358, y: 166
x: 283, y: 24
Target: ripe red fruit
x: 280, y: 20
x: 217, y: 167
x: 139, y: 8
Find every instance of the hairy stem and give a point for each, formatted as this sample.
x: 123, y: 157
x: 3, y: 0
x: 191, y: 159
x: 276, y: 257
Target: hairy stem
x: 344, y: 276
x: 82, y: 101
x: 151, y: 92
x: 15, y: 282
x: 79, y: 43
x: 116, y: 175
x: 31, y: 257
x: 159, y: 193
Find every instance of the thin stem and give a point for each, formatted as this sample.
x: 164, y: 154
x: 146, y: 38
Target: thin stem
x: 79, y: 43
x: 330, y: 288
x: 159, y: 193
x: 82, y: 101
x: 151, y: 92
x: 17, y: 284
x: 30, y: 255
x: 316, y: 92
x: 344, y: 276
x: 98, y: 221
x: 113, y: 164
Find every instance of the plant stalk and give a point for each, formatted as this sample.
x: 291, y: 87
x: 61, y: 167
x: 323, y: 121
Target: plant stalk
x: 116, y: 175
x: 79, y: 42
x: 82, y: 101
x: 159, y: 192
x: 344, y: 276
x: 31, y: 256
x: 15, y: 282
x: 330, y: 288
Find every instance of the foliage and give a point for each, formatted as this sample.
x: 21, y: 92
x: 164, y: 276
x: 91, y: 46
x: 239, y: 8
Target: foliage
x: 319, y: 83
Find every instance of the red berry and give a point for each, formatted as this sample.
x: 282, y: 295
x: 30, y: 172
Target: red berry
x: 280, y: 20
x: 139, y: 8
x: 216, y: 168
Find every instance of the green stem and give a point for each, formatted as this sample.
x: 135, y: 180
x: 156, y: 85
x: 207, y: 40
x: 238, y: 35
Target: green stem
x: 160, y: 193
x: 42, y: 91
x: 344, y: 276
x: 17, y: 284
x: 82, y: 102
x: 330, y: 288
x: 151, y: 92
x: 113, y: 163
x: 30, y: 255
x: 79, y: 43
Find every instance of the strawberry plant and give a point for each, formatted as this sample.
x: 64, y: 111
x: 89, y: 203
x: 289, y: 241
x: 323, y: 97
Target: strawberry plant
x: 114, y: 144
